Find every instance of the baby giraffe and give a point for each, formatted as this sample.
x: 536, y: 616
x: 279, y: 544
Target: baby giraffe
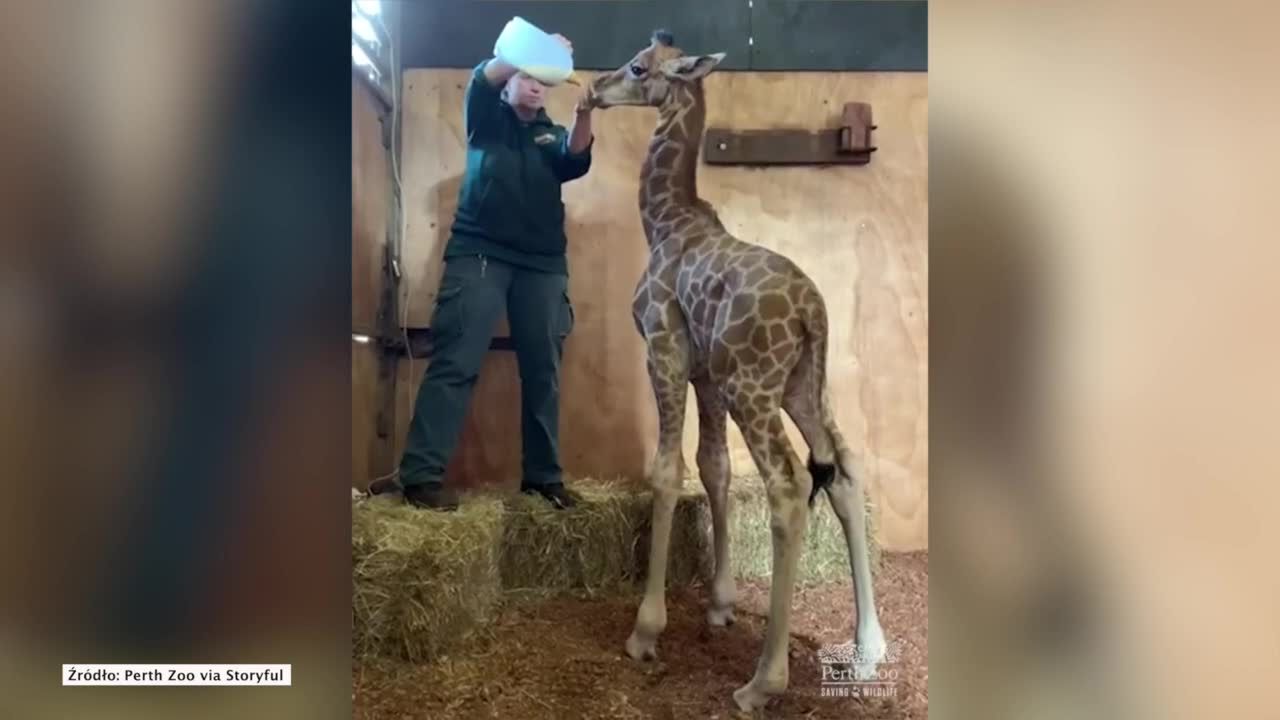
x: 749, y: 330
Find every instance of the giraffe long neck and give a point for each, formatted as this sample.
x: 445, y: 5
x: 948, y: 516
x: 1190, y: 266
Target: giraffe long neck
x: 668, y: 178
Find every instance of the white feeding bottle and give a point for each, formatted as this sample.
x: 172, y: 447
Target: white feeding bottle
x: 534, y: 52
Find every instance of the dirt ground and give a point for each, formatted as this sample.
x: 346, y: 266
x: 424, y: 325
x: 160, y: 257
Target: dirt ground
x: 563, y: 658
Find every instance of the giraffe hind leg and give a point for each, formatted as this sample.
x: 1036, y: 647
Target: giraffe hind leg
x: 713, y: 468
x: 847, y: 498
x: 798, y: 401
x: 787, y: 483
x: 844, y: 490
x: 823, y: 475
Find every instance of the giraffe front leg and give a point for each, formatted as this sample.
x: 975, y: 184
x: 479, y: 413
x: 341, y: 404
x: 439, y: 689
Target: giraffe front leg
x: 668, y: 372
x: 787, y: 484
x: 651, y: 618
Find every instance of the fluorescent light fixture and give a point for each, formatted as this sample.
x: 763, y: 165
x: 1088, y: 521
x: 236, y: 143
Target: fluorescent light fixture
x: 362, y: 27
x: 359, y: 56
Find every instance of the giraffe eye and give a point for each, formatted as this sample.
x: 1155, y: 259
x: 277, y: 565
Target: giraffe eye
x: 637, y: 71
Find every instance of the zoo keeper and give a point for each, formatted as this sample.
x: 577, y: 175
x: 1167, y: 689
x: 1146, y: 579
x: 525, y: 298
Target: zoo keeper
x: 506, y: 251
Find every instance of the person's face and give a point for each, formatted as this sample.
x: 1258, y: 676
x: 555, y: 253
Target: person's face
x: 526, y: 92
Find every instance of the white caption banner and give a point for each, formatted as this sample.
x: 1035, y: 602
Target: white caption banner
x: 205, y: 675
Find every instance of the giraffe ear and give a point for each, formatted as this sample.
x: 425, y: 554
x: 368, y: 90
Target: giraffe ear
x: 692, y: 67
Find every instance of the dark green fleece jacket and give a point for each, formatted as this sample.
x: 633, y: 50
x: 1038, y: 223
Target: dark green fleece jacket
x: 509, y: 206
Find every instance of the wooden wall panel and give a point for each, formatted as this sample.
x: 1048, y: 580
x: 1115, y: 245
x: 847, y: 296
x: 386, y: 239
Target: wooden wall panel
x: 488, y: 453
x: 433, y: 152
x: 860, y: 232
x: 371, y: 193
x: 370, y: 206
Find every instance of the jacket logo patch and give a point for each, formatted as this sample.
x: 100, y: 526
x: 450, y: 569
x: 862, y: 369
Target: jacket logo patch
x: 545, y: 139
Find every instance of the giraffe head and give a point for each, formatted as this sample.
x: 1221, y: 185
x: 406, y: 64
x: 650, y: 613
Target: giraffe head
x: 648, y: 78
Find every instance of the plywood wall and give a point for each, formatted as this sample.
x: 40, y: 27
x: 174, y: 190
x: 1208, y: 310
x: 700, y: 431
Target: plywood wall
x: 370, y: 213
x: 860, y: 232
x: 370, y: 205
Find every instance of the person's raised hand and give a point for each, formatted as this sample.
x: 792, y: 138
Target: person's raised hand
x: 586, y: 101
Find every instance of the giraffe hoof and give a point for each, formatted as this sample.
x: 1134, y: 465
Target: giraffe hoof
x: 871, y: 652
x: 720, y: 617
x: 764, y: 684
x: 749, y: 698
x: 640, y: 649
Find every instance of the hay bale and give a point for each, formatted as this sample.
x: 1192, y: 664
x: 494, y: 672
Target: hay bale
x: 692, y: 559
x: 422, y: 581
x: 587, y: 547
x: 825, y: 557
x: 690, y: 554
x: 599, y: 545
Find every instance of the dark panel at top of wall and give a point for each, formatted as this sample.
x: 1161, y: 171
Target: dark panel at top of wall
x: 605, y: 33
x: 871, y: 35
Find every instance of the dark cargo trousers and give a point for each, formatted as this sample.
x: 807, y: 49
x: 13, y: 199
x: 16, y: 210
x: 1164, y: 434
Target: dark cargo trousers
x: 473, y: 292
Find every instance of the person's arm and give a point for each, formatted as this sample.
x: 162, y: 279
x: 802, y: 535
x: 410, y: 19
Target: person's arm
x: 484, y: 95
x: 574, y: 157
x: 498, y: 72
x: 580, y: 136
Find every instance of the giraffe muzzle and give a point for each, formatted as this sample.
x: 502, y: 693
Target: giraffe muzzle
x: 593, y: 99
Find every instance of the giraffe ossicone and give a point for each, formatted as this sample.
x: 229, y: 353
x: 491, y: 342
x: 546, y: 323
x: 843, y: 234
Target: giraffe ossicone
x: 748, y: 329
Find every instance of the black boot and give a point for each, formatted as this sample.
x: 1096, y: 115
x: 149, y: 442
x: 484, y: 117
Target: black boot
x: 555, y: 493
x: 431, y: 496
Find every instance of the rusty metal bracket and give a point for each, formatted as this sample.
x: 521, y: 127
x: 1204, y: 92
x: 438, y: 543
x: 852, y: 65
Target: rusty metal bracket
x: 848, y: 144
x: 387, y: 323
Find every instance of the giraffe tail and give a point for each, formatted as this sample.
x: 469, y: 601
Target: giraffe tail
x: 841, y: 460
x: 836, y: 455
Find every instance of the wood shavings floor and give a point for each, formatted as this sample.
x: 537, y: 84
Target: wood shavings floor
x: 563, y: 658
